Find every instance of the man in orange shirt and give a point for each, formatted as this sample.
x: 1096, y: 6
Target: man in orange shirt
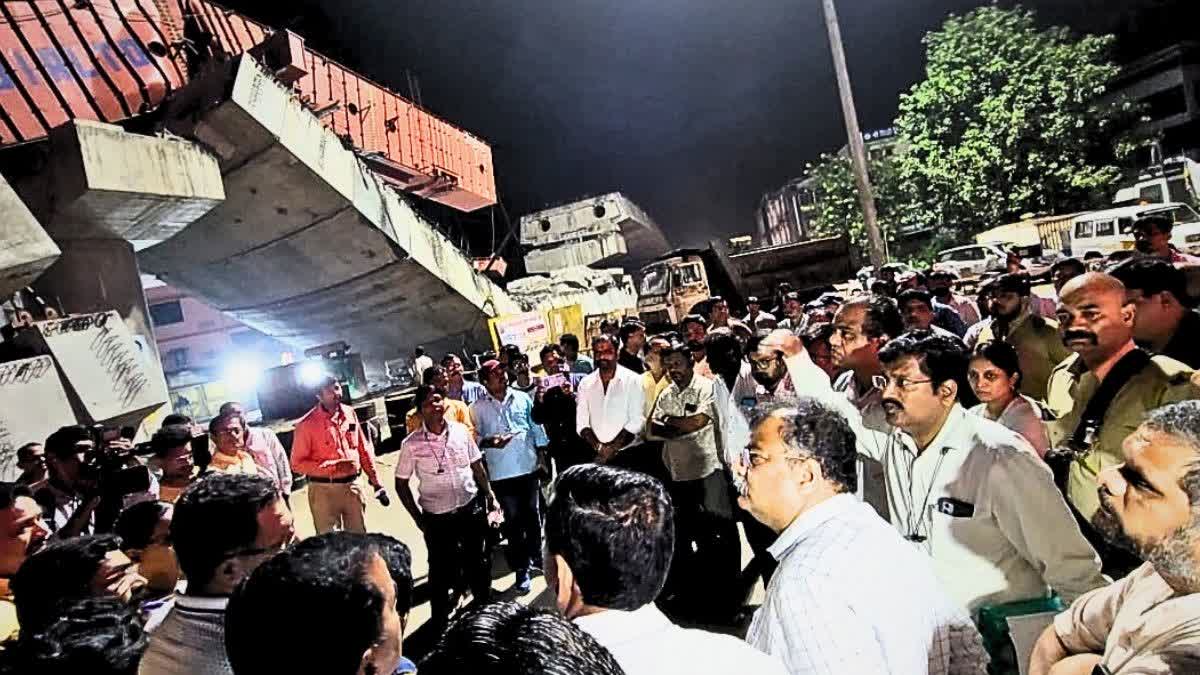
x: 331, y: 448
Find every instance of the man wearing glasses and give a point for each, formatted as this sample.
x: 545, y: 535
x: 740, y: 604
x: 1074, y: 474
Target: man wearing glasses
x: 969, y: 492
x: 225, y: 526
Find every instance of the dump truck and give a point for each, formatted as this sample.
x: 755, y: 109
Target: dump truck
x: 677, y: 283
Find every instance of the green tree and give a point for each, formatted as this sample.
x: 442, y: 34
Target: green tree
x: 1011, y: 119
x: 838, y: 208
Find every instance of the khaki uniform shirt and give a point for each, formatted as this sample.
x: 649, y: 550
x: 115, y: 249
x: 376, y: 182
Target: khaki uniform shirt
x: 697, y: 454
x: 1039, y: 349
x: 1164, y: 381
x: 1121, y: 620
x: 1013, y: 544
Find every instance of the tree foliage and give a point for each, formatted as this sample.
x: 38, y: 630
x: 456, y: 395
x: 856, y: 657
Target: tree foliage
x: 1011, y: 119
x: 839, y: 210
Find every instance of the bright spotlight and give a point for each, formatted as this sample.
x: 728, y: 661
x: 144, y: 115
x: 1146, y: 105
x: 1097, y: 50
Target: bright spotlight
x: 242, y: 374
x: 311, y: 373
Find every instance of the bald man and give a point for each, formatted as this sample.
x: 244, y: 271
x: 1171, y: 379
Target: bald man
x: 1096, y: 323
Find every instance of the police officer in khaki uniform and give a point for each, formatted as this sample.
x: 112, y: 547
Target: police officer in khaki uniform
x: 1099, y: 329
x: 1036, y: 339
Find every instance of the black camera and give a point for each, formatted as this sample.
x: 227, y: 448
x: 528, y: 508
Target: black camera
x: 110, y: 468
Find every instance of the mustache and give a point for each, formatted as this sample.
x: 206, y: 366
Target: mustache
x: 892, y: 402
x: 1080, y: 335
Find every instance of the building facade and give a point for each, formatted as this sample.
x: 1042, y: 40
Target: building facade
x: 1167, y: 84
x: 208, y: 358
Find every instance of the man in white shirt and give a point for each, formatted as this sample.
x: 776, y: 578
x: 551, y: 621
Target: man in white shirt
x: 421, y: 363
x: 609, y: 542
x: 971, y: 493
x: 849, y: 595
x: 609, y: 415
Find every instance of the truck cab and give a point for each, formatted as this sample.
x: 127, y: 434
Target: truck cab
x: 670, y: 287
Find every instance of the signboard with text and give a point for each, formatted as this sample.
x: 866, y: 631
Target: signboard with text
x: 33, y: 404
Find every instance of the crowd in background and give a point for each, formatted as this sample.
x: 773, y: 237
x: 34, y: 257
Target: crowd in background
x: 906, y: 462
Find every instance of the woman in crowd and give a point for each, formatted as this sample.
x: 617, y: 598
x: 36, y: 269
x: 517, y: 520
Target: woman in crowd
x: 995, y: 374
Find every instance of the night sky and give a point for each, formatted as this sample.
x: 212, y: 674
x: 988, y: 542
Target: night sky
x: 691, y: 108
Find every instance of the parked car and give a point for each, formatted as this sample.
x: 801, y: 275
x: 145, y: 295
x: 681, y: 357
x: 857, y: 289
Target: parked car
x: 867, y: 273
x: 973, y: 260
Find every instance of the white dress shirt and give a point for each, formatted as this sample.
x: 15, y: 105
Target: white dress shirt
x: 733, y: 408
x: 645, y: 642
x: 608, y: 412
x: 850, y: 596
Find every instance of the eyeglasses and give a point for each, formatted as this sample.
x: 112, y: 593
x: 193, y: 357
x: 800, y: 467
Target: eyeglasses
x: 882, y: 382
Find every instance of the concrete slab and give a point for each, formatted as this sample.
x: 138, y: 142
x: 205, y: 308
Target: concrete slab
x: 596, y: 219
x: 27, y: 250
x: 599, y: 250
x: 105, y: 182
x: 109, y: 377
x: 22, y: 383
x: 310, y: 246
x: 595, y: 291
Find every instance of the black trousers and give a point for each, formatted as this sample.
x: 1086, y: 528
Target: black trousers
x: 708, y: 551
x: 457, y: 544
x: 519, y: 499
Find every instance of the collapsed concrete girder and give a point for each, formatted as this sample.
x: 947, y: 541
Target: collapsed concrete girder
x: 309, y: 245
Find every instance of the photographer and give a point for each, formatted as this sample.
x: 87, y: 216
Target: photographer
x: 89, y: 480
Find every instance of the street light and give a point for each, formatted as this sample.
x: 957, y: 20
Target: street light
x: 858, y: 152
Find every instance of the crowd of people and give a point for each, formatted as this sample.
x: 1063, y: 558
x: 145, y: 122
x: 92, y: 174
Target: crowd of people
x: 902, y: 462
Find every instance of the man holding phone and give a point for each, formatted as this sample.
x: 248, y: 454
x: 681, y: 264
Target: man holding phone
x: 511, y: 443
x: 331, y: 448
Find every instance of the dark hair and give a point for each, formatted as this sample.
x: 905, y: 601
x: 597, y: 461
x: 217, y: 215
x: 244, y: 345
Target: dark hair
x: 1152, y: 276
x: 629, y: 329
x: 11, y: 492
x: 882, y: 318
x: 569, y: 340
x: 510, y: 350
x: 551, y: 348
x: 175, y: 419
x: 605, y: 337
x: 916, y: 294
x: 1012, y: 282
x: 58, y: 575
x: 507, y: 638
x: 616, y: 530
x: 222, y: 419
x: 170, y: 437
x: 725, y: 346
x: 817, y: 333
x: 1069, y: 262
x: 1161, y: 223
x: 419, y: 351
x: 449, y: 358
x: 424, y: 392
x: 135, y: 526
x: 1001, y: 354
x: 942, y: 358
x: 431, y: 373
x: 24, y: 449
x: 322, y: 579
x: 398, y: 558
x: 228, y: 407
x: 97, y: 636
x: 814, y: 429
x: 215, y: 517
x: 692, y: 318
x: 62, y: 442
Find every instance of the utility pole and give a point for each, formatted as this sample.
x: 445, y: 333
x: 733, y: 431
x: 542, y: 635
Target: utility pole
x: 858, y: 152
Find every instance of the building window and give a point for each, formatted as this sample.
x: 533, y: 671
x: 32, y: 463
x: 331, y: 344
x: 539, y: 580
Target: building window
x: 1166, y: 103
x: 166, y: 313
x: 175, y: 359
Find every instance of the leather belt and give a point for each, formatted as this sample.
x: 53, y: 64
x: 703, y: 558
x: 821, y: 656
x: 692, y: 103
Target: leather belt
x: 343, y: 479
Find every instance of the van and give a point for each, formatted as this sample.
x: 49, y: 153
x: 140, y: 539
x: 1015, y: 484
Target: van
x: 1111, y: 230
